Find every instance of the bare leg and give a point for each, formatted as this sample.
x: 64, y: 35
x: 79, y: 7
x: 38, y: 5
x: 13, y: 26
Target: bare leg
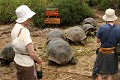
x: 99, y: 77
x: 109, y: 77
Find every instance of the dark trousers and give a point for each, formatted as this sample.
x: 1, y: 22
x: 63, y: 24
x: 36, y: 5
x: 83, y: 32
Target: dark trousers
x: 24, y: 73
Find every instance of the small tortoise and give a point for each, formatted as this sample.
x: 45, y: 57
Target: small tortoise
x: 91, y: 21
x: 56, y: 34
x: 89, y: 29
x: 7, y: 55
x: 59, y: 51
x: 75, y: 34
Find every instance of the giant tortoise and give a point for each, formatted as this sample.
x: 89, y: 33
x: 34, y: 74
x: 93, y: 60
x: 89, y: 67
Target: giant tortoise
x: 75, y: 34
x: 91, y: 21
x: 59, y: 51
x: 89, y: 29
x: 7, y: 55
x: 56, y: 34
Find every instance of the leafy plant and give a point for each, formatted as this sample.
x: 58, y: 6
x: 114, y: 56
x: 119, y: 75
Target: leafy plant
x: 71, y: 11
x: 7, y: 11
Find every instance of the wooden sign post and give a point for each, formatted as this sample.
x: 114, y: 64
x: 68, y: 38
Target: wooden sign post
x: 52, y: 16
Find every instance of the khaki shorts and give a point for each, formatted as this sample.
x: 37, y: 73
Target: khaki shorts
x: 24, y: 73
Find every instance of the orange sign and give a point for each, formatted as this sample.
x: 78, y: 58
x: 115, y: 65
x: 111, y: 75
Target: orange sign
x: 52, y: 13
x: 52, y: 21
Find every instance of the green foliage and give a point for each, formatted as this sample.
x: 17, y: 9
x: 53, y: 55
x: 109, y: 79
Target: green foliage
x: 38, y: 20
x: 105, y: 4
x: 7, y: 11
x: 72, y: 11
x: 118, y: 3
x: 8, y: 7
x: 91, y: 2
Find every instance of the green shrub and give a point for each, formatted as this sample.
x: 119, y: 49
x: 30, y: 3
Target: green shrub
x: 8, y: 7
x: 118, y: 3
x: 7, y: 11
x: 105, y: 4
x: 91, y: 2
x: 71, y: 11
x: 38, y: 20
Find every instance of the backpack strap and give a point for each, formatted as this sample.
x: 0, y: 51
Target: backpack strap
x: 111, y: 27
x: 19, y: 32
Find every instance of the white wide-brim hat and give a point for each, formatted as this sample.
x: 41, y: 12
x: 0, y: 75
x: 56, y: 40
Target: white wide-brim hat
x: 109, y: 15
x: 23, y: 13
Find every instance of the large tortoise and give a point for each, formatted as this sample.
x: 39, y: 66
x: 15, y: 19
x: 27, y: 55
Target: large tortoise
x: 89, y: 29
x: 56, y: 34
x: 91, y: 21
x: 59, y: 51
x: 75, y: 34
x: 7, y: 55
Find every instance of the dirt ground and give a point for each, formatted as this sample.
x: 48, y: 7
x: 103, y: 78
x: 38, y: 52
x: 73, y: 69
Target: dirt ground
x: 68, y: 72
x: 84, y: 55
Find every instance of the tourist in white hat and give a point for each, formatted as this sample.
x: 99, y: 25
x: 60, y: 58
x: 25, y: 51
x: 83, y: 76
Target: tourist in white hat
x: 108, y: 35
x: 24, y: 59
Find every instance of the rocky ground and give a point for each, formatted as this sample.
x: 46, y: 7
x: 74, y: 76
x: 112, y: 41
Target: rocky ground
x: 84, y: 55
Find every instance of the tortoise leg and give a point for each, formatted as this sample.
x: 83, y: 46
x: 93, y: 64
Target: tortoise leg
x: 72, y: 61
x: 82, y: 43
x: 51, y: 63
x: 0, y: 58
x: 5, y: 63
x: 2, y: 62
